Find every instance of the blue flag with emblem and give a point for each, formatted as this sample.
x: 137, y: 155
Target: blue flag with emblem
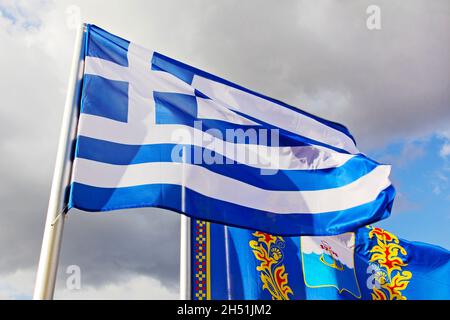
x: 152, y: 129
x: 369, y: 264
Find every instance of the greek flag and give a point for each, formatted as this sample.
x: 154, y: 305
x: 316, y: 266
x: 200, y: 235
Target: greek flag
x: 155, y: 132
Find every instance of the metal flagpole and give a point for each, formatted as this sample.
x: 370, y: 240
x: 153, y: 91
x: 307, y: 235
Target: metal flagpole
x: 185, y: 241
x: 54, y: 224
x: 227, y: 261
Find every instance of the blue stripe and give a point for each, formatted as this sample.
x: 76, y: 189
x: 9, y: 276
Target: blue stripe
x: 105, y: 98
x: 176, y: 108
x: 182, y: 109
x: 104, y: 45
x: 90, y: 198
x: 186, y: 73
x: 282, y: 180
x: 198, y: 206
x: 172, y: 66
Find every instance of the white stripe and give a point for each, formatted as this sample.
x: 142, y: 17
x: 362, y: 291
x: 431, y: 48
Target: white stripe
x: 106, y: 69
x: 258, y: 156
x: 274, y: 114
x: 214, y: 110
x: 208, y: 183
x: 139, y: 58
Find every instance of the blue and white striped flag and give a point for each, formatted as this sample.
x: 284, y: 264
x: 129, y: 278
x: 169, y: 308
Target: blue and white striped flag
x: 151, y: 126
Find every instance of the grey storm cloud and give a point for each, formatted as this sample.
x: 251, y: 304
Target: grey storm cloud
x: 385, y: 85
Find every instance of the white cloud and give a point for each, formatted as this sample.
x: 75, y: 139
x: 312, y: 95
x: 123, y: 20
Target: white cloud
x: 19, y: 285
x: 135, y: 288
x: 440, y: 182
x: 445, y: 150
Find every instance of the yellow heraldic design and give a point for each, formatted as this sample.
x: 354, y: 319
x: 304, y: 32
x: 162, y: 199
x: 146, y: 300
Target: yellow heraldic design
x: 268, y: 250
x: 387, y: 254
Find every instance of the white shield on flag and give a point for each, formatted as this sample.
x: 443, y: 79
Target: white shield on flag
x: 329, y: 262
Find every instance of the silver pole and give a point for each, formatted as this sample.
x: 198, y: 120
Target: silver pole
x: 227, y: 261
x: 54, y: 224
x: 185, y: 242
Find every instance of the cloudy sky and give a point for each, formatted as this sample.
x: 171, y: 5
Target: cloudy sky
x: 391, y: 87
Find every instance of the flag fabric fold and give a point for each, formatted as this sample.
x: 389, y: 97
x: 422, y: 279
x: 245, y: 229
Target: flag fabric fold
x: 150, y: 125
x: 369, y: 264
